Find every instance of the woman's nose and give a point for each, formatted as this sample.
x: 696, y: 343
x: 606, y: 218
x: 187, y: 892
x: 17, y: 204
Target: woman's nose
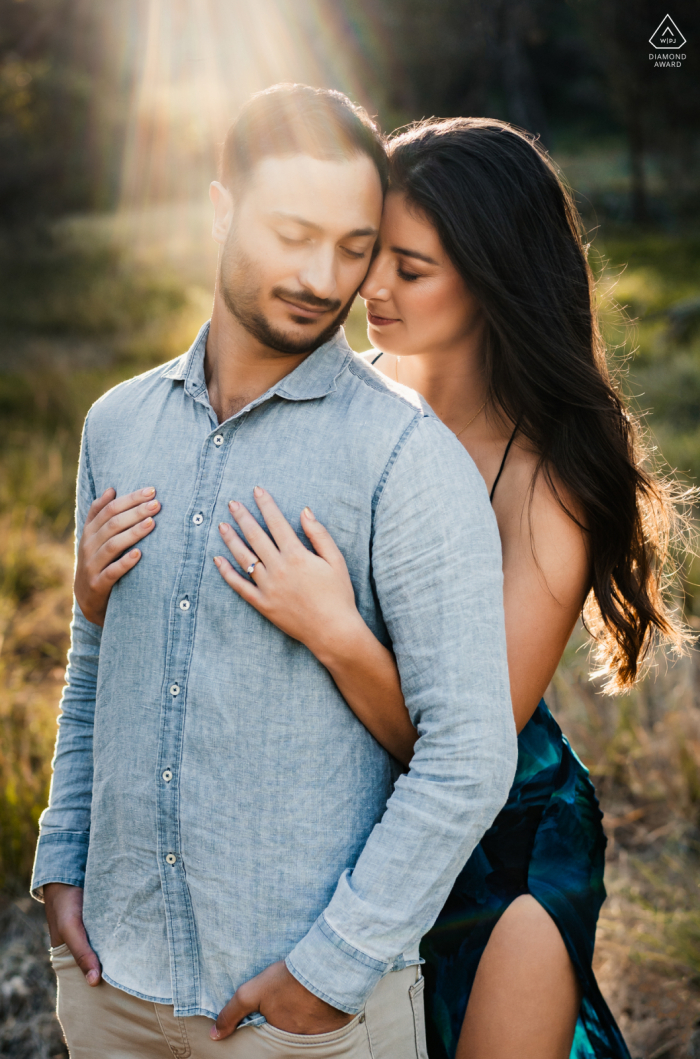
x: 375, y: 286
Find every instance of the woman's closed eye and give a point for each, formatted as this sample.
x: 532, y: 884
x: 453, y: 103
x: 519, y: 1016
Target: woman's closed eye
x: 408, y: 276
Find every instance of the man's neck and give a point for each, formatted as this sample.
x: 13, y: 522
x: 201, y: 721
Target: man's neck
x: 237, y: 367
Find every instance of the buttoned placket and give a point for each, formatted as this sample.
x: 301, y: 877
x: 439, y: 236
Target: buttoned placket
x: 217, y: 442
x: 183, y: 610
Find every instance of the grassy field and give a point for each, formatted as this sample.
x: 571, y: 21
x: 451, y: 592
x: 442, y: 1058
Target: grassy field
x: 81, y: 314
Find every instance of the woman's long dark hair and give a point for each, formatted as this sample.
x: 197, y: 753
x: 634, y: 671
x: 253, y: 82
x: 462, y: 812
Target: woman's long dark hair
x: 512, y: 230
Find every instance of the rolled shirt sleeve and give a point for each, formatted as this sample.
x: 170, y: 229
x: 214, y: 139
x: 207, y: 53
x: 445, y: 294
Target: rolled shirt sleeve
x: 61, y: 853
x: 437, y: 568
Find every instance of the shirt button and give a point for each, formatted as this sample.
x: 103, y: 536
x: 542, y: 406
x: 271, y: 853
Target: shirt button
x: 167, y: 775
x: 184, y: 604
x: 174, y: 690
x: 171, y: 859
x: 219, y: 440
x: 198, y: 519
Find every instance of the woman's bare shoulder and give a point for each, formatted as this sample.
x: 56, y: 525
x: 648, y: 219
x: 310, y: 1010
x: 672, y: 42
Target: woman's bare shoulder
x: 542, y: 525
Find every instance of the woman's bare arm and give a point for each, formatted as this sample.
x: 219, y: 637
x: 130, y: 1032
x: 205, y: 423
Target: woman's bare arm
x: 546, y: 577
x: 368, y: 679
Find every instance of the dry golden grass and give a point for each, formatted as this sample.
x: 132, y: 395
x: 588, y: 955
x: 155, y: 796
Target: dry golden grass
x: 36, y: 575
x: 643, y: 751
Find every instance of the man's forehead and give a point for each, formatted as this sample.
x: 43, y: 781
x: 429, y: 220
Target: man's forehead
x: 303, y: 187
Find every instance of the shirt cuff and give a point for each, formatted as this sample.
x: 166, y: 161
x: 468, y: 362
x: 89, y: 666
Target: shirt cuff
x: 61, y: 856
x: 332, y: 969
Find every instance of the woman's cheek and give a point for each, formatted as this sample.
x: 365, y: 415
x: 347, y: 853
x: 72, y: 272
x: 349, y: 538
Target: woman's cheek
x: 434, y: 314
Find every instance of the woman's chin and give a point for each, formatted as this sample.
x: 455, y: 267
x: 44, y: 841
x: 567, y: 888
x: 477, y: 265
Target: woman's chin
x: 381, y: 341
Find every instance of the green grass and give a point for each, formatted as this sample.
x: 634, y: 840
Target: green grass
x: 655, y: 283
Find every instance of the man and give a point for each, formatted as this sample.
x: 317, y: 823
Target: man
x: 227, y: 831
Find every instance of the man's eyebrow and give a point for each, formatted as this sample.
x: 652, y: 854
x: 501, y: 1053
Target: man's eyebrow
x: 296, y: 218
x: 354, y: 234
x: 413, y: 253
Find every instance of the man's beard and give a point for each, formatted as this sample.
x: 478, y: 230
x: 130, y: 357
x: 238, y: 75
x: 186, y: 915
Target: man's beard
x: 241, y: 293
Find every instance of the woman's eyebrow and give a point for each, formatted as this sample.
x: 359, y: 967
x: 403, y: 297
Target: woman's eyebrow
x: 413, y: 253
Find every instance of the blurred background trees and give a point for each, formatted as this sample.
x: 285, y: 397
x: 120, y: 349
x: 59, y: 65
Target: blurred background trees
x: 88, y: 89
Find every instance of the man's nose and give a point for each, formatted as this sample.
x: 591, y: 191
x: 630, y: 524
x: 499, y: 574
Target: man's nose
x: 319, y: 275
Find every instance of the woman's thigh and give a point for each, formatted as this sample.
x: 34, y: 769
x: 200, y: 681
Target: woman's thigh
x: 526, y: 996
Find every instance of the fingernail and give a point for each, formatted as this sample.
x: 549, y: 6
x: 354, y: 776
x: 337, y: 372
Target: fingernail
x: 92, y: 977
x: 217, y: 560
x: 234, y: 505
x: 223, y: 526
x: 153, y: 506
x: 214, y: 1033
x: 135, y: 554
x: 147, y: 522
x: 309, y: 514
x: 148, y: 492
x: 258, y: 491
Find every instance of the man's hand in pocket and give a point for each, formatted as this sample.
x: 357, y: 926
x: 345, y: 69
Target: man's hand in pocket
x: 64, y: 914
x: 283, y: 1001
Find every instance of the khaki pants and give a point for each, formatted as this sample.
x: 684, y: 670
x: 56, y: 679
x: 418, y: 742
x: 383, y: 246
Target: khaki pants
x: 102, y: 1022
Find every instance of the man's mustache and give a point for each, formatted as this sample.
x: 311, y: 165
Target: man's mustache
x: 303, y: 297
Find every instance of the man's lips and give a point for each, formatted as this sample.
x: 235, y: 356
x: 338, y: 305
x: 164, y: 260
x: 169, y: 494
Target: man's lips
x: 304, y: 310
x: 379, y: 321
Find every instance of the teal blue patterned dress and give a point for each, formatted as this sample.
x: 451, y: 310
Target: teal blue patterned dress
x: 547, y: 841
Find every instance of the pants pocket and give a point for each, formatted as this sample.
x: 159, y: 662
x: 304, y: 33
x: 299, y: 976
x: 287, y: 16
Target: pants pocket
x: 416, y: 993
x: 61, y: 958
x: 336, y: 1043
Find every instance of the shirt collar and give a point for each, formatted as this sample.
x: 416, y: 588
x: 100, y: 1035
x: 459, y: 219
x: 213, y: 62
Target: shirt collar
x: 314, y: 377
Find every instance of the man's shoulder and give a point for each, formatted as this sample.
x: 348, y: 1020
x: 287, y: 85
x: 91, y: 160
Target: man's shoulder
x: 130, y: 395
x: 399, y: 423
x: 377, y: 387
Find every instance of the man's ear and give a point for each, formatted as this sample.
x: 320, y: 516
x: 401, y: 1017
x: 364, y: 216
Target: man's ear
x: 222, y: 201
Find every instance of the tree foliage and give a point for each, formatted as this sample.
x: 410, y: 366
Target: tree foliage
x: 569, y: 70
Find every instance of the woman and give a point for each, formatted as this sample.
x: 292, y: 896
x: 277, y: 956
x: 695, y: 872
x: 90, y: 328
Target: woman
x: 480, y: 298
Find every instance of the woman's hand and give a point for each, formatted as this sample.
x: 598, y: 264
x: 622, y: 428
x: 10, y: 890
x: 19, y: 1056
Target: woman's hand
x: 309, y: 597
x: 112, y: 526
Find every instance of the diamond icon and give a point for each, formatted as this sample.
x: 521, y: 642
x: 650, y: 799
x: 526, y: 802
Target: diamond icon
x: 667, y: 36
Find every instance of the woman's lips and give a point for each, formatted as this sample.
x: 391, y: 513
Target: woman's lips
x: 379, y: 321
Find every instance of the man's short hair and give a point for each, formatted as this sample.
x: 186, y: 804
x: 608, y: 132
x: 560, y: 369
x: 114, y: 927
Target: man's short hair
x: 297, y: 119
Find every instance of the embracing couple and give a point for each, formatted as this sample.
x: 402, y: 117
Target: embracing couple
x: 307, y: 799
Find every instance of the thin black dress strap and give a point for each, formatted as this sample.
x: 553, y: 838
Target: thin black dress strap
x: 505, y: 454
x: 503, y: 461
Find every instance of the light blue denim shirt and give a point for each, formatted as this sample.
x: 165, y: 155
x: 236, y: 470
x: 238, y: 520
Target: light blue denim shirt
x: 212, y: 791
